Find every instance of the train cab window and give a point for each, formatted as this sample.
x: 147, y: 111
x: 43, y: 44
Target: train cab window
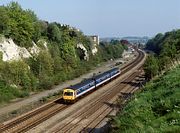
x: 68, y: 93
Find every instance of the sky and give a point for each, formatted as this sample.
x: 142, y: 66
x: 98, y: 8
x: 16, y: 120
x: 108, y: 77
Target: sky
x: 109, y: 18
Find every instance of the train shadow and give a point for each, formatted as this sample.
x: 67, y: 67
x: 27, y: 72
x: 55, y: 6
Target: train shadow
x: 59, y: 101
x: 118, y: 104
x: 135, y: 83
x: 112, y: 105
x: 103, y: 129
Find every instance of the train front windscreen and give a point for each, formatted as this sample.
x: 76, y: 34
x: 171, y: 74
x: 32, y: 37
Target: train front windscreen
x: 68, y: 93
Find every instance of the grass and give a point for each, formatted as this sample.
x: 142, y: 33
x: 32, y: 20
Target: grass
x: 8, y: 93
x: 156, y: 109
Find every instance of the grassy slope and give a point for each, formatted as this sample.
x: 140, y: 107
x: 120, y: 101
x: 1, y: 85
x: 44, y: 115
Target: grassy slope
x: 156, y: 109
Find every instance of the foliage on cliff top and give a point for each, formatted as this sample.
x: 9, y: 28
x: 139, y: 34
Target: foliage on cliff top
x: 166, y: 48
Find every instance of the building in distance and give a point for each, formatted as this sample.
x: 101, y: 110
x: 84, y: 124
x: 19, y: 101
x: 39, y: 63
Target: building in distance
x: 95, y: 42
x: 95, y: 39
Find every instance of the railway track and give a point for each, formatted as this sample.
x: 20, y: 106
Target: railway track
x: 94, y: 124
x: 29, y: 122
x: 86, y: 116
x: 35, y: 117
x: 87, y: 119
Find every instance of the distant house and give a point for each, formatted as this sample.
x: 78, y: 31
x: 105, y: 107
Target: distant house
x: 95, y: 39
x: 95, y: 42
x: 125, y: 42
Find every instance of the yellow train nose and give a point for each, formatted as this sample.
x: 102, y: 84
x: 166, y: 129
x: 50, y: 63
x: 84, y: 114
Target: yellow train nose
x: 68, y: 98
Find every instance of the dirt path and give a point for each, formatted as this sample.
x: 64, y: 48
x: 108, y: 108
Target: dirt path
x: 33, y: 98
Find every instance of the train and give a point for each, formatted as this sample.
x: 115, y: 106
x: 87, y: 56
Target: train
x: 72, y: 93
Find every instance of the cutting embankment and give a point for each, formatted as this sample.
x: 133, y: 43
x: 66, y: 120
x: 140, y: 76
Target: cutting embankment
x: 155, y: 109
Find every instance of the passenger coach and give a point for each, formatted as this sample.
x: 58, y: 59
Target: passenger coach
x: 72, y: 93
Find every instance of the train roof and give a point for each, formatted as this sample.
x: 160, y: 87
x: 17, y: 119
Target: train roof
x: 87, y: 81
x: 114, y: 69
x: 79, y: 85
x: 100, y: 75
x: 105, y: 73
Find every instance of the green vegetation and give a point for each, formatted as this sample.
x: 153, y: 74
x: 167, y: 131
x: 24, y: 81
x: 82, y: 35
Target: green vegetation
x: 112, y: 50
x: 156, y: 109
x: 10, y: 92
x: 166, y: 50
x: 60, y: 61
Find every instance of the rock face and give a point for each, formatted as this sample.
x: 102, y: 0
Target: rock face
x: 34, y: 49
x: 10, y: 51
x: 94, y: 50
x: 86, y: 55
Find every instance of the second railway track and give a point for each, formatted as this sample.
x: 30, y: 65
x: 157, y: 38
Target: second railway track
x: 96, y: 107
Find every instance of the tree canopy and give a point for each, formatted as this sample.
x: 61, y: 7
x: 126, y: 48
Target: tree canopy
x: 166, y: 48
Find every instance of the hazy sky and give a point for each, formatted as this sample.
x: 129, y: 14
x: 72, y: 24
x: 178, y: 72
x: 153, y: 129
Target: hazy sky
x: 109, y: 18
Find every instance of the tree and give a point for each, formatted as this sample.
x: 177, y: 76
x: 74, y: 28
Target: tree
x: 18, y: 73
x: 45, y: 63
x: 151, y: 67
x: 21, y: 25
x: 155, y: 43
x: 55, y: 54
x: 166, y: 47
x: 4, y: 21
x: 54, y: 33
x: 164, y: 63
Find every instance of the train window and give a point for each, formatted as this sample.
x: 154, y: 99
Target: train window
x: 91, y: 84
x: 68, y: 93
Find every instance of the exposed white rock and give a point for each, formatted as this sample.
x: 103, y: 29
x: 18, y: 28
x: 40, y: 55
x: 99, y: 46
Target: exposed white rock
x: 42, y: 44
x: 94, y: 43
x: 45, y: 45
x: 34, y: 49
x: 81, y: 46
x: 11, y: 51
x: 94, y: 50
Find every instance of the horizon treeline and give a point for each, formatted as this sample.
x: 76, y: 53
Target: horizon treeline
x: 165, y: 53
